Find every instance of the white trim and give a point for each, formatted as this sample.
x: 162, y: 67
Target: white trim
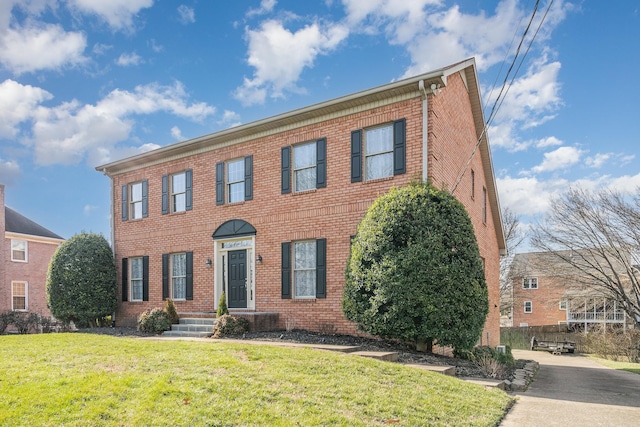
x: 32, y: 238
x: 220, y: 269
x: 26, y: 295
x: 26, y: 250
x: 530, y: 307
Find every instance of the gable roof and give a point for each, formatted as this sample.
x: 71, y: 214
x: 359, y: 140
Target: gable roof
x: 17, y: 223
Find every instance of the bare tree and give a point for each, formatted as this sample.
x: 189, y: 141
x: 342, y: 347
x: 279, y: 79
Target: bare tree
x: 514, y: 237
x: 597, y: 236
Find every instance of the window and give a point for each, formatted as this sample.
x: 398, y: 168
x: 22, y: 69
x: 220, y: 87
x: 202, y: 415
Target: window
x: 178, y: 276
x: 378, y: 153
x: 563, y: 305
x: 304, y: 166
x: 177, y: 192
x: 135, y: 200
x: 383, y: 152
x: 524, y: 325
x: 304, y: 269
x: 136, y: 279
x: 234, y: 180
x: 473, y: 184
x: 19, y: 250
x: 528, y: 307
x: 530, y: 283
x: 309, y: 166
x: 484, y: 205
x: 19, y: 295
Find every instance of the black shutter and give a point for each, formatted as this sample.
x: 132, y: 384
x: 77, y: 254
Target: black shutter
x: 125, y: 203
x: 189, y: 292
x: 248, y: 178
x: 165, y: 194
x: 321, y: 163
x: 125, y: 279
x: 145, y: 198
x: 145, y: 278
x: 399, y: 147
x: 356, y: 156
x: 286, y: 270
x: 286, y: 170
x: 321, y: 268
x: 220, y: 183
x: 165, y: 276
x: 188, y: 177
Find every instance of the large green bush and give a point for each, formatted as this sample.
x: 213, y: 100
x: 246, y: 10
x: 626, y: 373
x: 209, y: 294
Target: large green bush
x: 415, y: 271
x: 81, y: 281
x: 154, y: 321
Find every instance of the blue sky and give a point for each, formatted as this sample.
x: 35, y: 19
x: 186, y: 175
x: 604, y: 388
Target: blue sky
x: 85, y: 82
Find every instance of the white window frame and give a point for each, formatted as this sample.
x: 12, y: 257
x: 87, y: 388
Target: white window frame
x: 524, y: 325
x: 313, y: 165
x: 530, y: 304
x: 562, y: 305
x: 174, y: 194
x: 136, y: 279
x: 386, y: 152
x: 529, y: 283
x: 15, y: 242
x: 25, y: 296
x: 236, y: 182
x: 173, y: 278
x: 133, y: 203
x: 296, y: 269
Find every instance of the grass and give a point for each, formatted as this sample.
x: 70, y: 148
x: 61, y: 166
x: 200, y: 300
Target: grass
x: 621, y: 366
x: 84, y: 379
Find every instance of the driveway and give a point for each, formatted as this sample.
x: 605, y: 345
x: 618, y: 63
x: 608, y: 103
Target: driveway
x: 572, y: 390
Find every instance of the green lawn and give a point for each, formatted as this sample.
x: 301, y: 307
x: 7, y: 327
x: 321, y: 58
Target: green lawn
x: 621, y: 366
x: 83, y: 379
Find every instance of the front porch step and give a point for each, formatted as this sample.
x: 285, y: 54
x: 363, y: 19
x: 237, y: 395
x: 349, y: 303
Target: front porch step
x: 389, y: 356
x: 192, y: 327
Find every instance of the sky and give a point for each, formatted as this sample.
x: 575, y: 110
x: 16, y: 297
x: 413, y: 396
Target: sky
x: 87, y: 82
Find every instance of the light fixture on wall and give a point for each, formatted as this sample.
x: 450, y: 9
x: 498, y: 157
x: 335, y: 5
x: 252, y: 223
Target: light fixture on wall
x: 259, y: 259
x: 208, y: 262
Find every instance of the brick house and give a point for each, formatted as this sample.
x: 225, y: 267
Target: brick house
x: 547, y: 291
x: 265, y: 211
x: 26, y: 249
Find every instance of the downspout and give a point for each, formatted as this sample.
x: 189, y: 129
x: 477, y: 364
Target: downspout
x: 112, y: 231
x: 425, y: 132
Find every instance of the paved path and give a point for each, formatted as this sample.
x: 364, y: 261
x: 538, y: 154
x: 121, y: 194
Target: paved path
x: 571, y: 390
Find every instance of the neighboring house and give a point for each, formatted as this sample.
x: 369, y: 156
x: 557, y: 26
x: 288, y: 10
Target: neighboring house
x: 546, y: 291
x: 26, y: 249
x: 265, y: 211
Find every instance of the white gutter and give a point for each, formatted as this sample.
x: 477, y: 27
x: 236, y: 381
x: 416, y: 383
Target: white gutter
x: 425, y: 132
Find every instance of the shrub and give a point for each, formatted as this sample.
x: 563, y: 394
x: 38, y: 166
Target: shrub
x: 154, y: 321
x: 230, y: 325
x: 222, y: 306
x: 170, y: 308
x: 491, y: 362
x: 47, y: 324
x: 6, y: 319
x: 25, y: 322
x: 415, y: 271
x: 616, y: 345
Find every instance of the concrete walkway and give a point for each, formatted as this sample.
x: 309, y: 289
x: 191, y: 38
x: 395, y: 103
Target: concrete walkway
x: 571, y: 390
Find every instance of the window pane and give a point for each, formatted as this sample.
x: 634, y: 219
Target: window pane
x: 179, y: 202
x: 304, y: 155
x: 178, y: 183
x: 305, y: 283
x: 179, y: 264
x: 305, y: 255
x: 136, y: 268
x: 19, y: 291
x: 136, y: 290
x: 18, y: 250
x: 305, y: 179
x: 379, y: 140
x: 379, y: 166
x: 136, y: 210
x: 178, y: 275
x: 179, y: 288
x: 236, y: 192
x: 235, y: 171
x: 136, y: 192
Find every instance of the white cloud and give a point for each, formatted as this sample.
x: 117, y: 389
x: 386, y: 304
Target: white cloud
x: 561, y: 158
x: 9, y: 172
x: 528, y: 195
x: 155, y: 46
x: 176, y: 133
x: 598, y: 160
x: 186, y: 14
x: 102, y: 155
x: 17, y: 103
x: 39, y: 46
x: 230, y: 119
x: 548, y: 142
x: 279, y: 56
x: 88, y: 209
x: 129, y: 59
x: 118, y: 14
x: 101, y: 48
x: 266, y: 6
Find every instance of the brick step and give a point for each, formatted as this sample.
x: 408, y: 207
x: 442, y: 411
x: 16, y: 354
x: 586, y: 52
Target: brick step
x: 186, y: 334
x: 198, y: 321
x: 192, y: 327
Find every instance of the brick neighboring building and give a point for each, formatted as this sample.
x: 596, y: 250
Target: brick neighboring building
x: 266, y: 210
x: 26, y: 249
x: 547, y: 291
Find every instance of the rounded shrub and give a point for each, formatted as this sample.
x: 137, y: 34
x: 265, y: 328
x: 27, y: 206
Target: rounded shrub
x: 170, y: 308
x: 230, y: 325
x: 154, y: 321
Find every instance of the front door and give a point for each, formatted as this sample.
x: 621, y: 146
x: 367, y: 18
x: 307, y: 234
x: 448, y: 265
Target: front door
x: 237, y: 297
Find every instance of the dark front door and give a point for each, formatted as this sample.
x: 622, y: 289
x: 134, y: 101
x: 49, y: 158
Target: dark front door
x: 237, y: 279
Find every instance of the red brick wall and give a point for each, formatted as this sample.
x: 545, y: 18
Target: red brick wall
x: 332, y: 212
x: 545, y: 302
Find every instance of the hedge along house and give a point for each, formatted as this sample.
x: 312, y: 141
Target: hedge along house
x: 265, y: 211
